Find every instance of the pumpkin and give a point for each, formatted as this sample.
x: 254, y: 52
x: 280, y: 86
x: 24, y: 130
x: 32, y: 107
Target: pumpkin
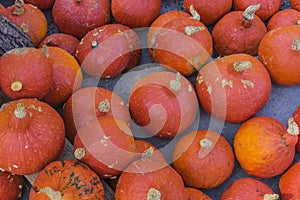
x: 89, y: 103
x: 248, y: 188
x: 61, y: 40
x: 229, y: 84
x: 209, y: 11
x: 289, y: 183
x: 33, y: 132
x: 194, y: 194
x: 163, y: 103
x: 283, y: 18
x: 22, y: 14
x: 238, y: 32
x: 267, y: 7
x: 2, y: 10
x: 68, y: 179
x: 11, y: 186
x: 192, y: 45
x: 104, y: 51
x: 296, y: 117
x: 67, y: 76
x: 134, y: 13
x: 203, y: 158
x: 282, y: 67
x: 106, y: 145
x: 77, y: 17
x: 25, y: 73
x: 264, y: 147
x: 43, y: 5
x: 295, y: 4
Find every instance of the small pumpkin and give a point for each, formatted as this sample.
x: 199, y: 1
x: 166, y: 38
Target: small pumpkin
x: 33, y: 132
x: 203, y: 158
x: 106, y: 145
x: 229, y: 84
x: 238, y: 32
x: 289, y: 183
x: 11, y: 186
x: 296, y: 118
x: 43, y: 5
x: 77, y: 17
x: 282, y: 67
x: 248, y: 188
x: 135, y: 13
x: 283, y: 18
x: 295, y: 4
x: 89, y: 103
x: 163, y: 103
x: 195, y: 194
x: 25, y: 73
x: 67, y: 76
x: 267, y: 7
x: 22, y: 14
x: 209, y: 11
x: 264, y: 147
x: 61, y: 40
x: 68, y: 179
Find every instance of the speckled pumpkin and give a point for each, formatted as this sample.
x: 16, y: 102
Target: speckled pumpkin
x: 289, y: 183
x: 283, y: 18
x: 11, y: 186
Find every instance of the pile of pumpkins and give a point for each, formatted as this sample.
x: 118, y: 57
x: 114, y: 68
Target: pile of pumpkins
x: 254, y: 44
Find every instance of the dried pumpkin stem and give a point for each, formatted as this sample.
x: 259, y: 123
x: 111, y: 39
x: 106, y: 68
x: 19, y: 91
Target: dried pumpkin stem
x: 206, y: 143
x: 240, y: 66
x: 53, y: 195
x: 190, y: 30
x: 194, y: 13
x: 175, y: 85
x: 45, y: 50
x: 249, y: 12
x: 293, y: 128
x: 16, y: 86
x: 271, y: 197
x: 94, y: 44
x: 153, y: 194
x: 148, y: 153
x: 79, y: 153
x: 20, y: 111
x: 19, y: 10
x: 296, y: 44
x: 104, y: 106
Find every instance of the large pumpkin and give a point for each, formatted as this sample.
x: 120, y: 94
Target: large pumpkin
x: 11, y: 186
x: 264, y: 147
x: 31, y: 131
x: 68, y: 179
x: 228, y: 85
x: 289, y: 183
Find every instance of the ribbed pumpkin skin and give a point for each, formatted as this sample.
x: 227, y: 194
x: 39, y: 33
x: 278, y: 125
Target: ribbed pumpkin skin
x: 73, y: 179
x: 11, y: 186
x: 289, y: 183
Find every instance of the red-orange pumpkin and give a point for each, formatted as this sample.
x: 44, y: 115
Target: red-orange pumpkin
x: 77, y: 17
x: 136, y: 13
x: 267, y: 7
x: 2, y: 10
x: 67, y: 76
x: 296, y: 117
x: 33, y: 132
x: 204, y: 159
x: 295, y: 4
x: 264, y: 147
x: 106, y: 145
x: 163, y: 103
x: 238, y: 32
x: 284, y: 66
x: 68, y: 179
x: 289, y: 183
x: 25, y: 73
x: 22, y: 14
x: 88, y: 104
x: 248, y: 188
x: 228, y: 85
x: 44, y: 4
x: 283, y: 18
x: 195, y: 194
x: 11, y: 186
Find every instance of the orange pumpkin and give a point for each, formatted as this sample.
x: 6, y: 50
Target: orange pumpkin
x: 238, y: 32
x: 44, y: 5
x: 296, y: 117
x: 282, y: 67
x: 204, y: 159
x: 248, y: 188
x: 264, y: 147
x: 11, y: 186
x: 229, y: 84
x: 295, y: 4
x: 22, y: 14
x: 194, y: 194
x: 283, y: 18
x: 289, y: 183
x: 68, y: 179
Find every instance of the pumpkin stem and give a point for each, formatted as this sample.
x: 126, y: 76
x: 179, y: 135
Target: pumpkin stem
x: 79, y: 153
x: 94, y: 44
x: 104, y: 106
x: 153, y: 194
x: 249, y: 12
x: 293, y: 128
x: 148, y: 153
x: 296, y: 44
x: 194, y: 13
x: 19, y: 10
x: 175, y: 85
x: 45, y: 50
x: 16, y: 86
x: 206, y: 143
x: 20, y: 111
x: 271, y: 197
x: 298, y: 23
x: 190, y: 30
x: 53, y: 195
x: 240, y: 66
